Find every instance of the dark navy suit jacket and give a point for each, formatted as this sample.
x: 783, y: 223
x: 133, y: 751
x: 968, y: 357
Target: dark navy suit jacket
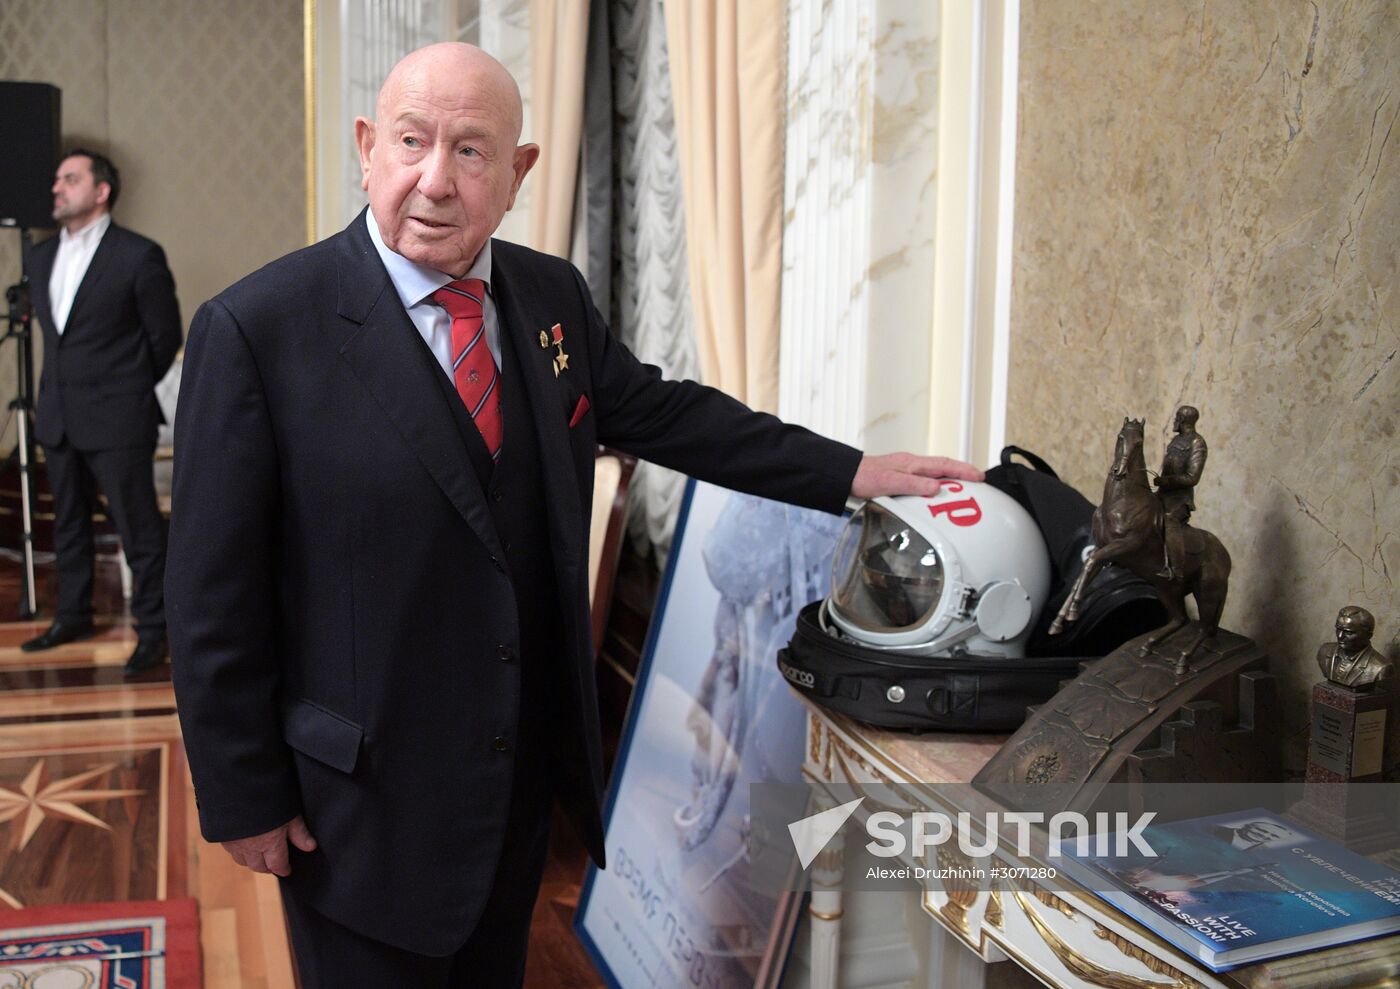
x: 336, y: 589
x: 97, y: 387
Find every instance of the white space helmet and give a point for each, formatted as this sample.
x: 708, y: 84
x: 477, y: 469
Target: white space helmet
x: 964, y: 570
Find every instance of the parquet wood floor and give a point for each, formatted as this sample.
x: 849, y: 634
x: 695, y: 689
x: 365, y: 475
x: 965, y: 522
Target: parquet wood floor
x: 96, y: 804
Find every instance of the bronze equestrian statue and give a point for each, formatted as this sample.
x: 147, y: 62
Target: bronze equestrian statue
x: 1133, y: 529
x: 1182, y: 466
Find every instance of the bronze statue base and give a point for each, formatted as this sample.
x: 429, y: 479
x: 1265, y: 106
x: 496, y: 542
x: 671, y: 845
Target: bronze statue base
x: 1358, y: 815
x: 1130, y: 718
x: 1344, y: 797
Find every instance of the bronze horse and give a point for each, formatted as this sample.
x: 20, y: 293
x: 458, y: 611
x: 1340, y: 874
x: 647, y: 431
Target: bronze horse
x: 1130, y: 528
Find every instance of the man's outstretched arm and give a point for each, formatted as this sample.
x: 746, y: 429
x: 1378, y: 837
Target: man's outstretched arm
x: 908, y: 474
x: 708, y: 435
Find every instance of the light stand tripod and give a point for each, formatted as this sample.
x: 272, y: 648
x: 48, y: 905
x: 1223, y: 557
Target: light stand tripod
x: 20, y: 328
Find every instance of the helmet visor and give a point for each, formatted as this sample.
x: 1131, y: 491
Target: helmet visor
x: 886, y: 577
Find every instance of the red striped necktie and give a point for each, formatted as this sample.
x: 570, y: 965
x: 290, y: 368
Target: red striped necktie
x: 473, y: 367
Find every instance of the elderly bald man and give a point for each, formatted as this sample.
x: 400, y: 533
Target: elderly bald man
x: 377, y: 578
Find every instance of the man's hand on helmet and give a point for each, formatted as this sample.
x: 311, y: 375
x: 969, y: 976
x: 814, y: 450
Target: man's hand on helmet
x: 908, y: 474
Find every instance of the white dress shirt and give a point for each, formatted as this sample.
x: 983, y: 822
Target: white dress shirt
x: 70, y: 264
x: 416, y: 283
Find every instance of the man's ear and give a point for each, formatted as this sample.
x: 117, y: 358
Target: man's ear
x: 364, y: 141
x: 525, y: 157
x: 104, y: 192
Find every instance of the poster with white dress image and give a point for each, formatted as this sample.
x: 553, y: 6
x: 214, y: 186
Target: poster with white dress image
x: 710, y: 715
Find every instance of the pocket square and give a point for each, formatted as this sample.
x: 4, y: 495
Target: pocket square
x: 579, y: 410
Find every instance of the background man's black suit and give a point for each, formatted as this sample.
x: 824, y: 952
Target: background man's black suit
x: 358, y: 633
x: 98, y: 417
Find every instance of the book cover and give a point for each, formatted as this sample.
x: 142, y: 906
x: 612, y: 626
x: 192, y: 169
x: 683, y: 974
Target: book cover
x: 1243, y: 887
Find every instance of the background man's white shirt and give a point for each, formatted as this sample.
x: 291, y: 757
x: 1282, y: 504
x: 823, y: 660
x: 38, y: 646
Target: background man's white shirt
x: 70, y: 264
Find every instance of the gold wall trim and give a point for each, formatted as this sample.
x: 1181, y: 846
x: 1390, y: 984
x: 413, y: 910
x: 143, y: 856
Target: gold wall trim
x: 1050, y: 900
x: 1141, y: 954
x: 1018, y: 956
x: 975, y: 939
x: 962, y: 893
x: 854, y: 781
x: 309, y: 88
x: 846, y: 734
x: 1090, y: 971
x: 993, y: 912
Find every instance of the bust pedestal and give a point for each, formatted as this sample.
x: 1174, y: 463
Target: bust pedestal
x: 1345, y: 757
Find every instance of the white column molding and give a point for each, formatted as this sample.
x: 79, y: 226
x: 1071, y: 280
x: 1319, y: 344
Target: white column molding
x: 959, y: 114
x: 357, y: 43
x: 972, y: 276
x: 505, y: 33
x: 860, y: 219
x: 826, y: 202
x: 1006, y: 38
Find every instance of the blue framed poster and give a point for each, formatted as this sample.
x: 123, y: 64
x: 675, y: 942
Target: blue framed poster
x: 710, y: 715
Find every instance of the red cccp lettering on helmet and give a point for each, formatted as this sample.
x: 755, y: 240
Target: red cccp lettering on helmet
x: 964, y: 513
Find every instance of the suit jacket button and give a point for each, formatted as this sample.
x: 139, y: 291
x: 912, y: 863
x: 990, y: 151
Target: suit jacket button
x: 497, y: 496
x: 505, y: 653
x: 501, y: 744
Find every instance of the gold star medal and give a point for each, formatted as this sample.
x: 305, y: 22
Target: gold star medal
x: 561, y: 359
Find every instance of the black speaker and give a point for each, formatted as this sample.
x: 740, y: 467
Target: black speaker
x: 30, y: 136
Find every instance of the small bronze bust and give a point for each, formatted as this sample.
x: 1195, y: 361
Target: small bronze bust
x: 1351, y: 661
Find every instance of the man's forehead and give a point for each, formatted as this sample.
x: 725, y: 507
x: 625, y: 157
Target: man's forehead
x: 448, y: 81
x: 460, y: 104
x: 457, y: 117
x: 75, y: 166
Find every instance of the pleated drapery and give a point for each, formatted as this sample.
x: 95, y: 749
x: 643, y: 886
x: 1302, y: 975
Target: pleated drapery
x: 558, y: 52
x: 727, y: 60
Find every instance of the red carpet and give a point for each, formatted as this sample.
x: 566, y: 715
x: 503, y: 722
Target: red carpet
x: 138, y: 945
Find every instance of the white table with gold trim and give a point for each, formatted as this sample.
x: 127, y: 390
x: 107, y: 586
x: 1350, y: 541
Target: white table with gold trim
x: 1066, y: 937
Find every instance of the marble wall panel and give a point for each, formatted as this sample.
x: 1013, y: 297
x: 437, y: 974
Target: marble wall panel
x: 859, y: 219
x: 826, y: 217
x: 1206, y: 206
x: 903, y: 167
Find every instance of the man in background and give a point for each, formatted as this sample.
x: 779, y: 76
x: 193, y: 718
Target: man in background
x: 106, y: 301
x: 378, y: 572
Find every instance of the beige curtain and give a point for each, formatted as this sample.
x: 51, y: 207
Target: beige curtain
x: 727, y: 74
x: 558, y: 54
